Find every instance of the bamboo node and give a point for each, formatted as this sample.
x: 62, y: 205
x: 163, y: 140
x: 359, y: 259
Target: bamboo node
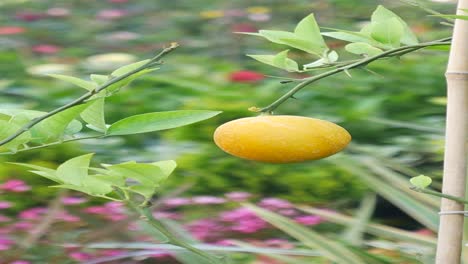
x: 464, y: 213
x: 457, y: 75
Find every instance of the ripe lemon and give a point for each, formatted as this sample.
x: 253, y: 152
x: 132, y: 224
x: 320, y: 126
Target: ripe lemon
x: 281, y: 139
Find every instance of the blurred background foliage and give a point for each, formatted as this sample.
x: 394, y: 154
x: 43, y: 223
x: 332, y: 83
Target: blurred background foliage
x: 396, y: 111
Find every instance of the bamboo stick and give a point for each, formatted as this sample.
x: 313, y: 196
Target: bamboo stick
x: 449, y: 243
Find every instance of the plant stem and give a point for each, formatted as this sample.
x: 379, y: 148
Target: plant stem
x: 439, y: 194
x: 147, y: 215
x: 390, y: 53
x: 51, y: 144
x: 88, y: 95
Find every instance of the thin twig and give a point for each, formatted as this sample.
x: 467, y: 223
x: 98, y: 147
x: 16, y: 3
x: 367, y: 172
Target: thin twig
x: 88, y: 95
x: 390, y: 53
x: 438, y: 194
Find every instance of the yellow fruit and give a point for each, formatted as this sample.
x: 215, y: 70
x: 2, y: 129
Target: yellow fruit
x: 281, y: 139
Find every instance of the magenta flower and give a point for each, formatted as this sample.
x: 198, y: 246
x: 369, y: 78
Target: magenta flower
x: 5, y: 243
x: 5, y: 204
x: 14, y: 186
x: 167, y: 215
x: 112, y: 252
x: 79, y: 256
x: 58, y: 12
x: 70, y: 200
x: 23, y: 225
x: 4, y: 218
x: 66, y: 217
x: 275, y: 203
x: 20, y: 262
x: 287, y: 212
x: 308, y: 220
x: 11, y: 30
x: 208, y: 200
x: 110, y: 14
x: 32, y: 213
x: 46, y: 49
x: 243, y: 220
x: 29, y: 16
x: 205, y: 229
x: 238, y: 196
x: 175, y: 202
x: 113, y: 211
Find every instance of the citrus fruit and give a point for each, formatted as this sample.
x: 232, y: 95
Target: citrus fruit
x: 281, y: 138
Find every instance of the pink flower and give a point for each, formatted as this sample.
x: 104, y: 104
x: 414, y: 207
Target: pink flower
x: 58, y: 12
x: 66, y: 217
x: 46, y: 49
x: 70, y: 200
x: 243, y: 220
x: 238, y: 196
x: 112, y: 252
x: 32, y: 213
x: 110, y: 14
x: 79, y: 256
x: 204, y: 229
x: 22, y: 225
x: 11, y: 30
x: 5, y: 204
x: 246, y: 76
x: 113, y: 211
x: 243, y: 27
x: 14, y: 186
x: 424, y: 232
x: 308, y: 220
x: 288, y: 212
x: 175, y: 202
x: 275, y: 203
x: 20, y: 262
x: 5, y: 243
x: 208, y: 200
x: 259, y: 17
x: 29, y: 16
x: 166, y: 215
x: 4, y: 218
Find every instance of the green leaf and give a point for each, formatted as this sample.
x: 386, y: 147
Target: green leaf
x: 381, y: 15
x: 76, y: 81
x: 94, y: 115
x: 99, y: 79
x: 361, y: 48
x: 276, y: 36
x: 350, y: 36
x: 309, y: 238
x: 128, y: 68
x: 7, y: 128
x: 421, y: 181
x: 166, y: 166
x: 113, y: 180
x: 122, y: 83
x: 373, y: 229
x: 53, y: 128
x: 355, y: 231
x: 75, y: 170
x: 96, y: 186
x: 42, y: 171
x: 145, y: 173
x: 156, y: 121
x: 307, y: 28
x: 295, y: 41
x: 387, y: 32
x: 453, y: 16
x: 419, y: 211
x: 279, y: 60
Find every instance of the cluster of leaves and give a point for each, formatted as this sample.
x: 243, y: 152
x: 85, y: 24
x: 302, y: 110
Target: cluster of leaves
x: 133, y: 177
x: 385, y: 31
x: 62, y: 125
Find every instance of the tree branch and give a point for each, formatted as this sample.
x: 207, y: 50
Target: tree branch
x: 390, y: 53
x: 89, y: 94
